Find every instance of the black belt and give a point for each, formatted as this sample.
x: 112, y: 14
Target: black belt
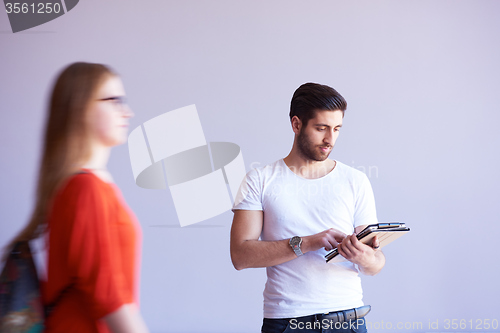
x: 338, y: 316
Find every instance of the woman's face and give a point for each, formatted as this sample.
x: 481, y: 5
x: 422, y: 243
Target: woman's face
x: 109, y: 114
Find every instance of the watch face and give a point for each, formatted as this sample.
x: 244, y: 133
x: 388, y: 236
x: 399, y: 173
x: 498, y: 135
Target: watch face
x: 295, y: 241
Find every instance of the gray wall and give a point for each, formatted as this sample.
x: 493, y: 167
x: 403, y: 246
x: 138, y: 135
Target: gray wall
x: 421, y: 79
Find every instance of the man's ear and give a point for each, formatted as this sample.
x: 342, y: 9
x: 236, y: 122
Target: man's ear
x: 296, y: 124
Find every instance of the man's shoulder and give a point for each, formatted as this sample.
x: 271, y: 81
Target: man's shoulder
x: 268, y: 169
x: 249, y: 194
x: 349, y: 172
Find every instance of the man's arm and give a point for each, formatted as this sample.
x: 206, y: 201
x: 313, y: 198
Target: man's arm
x: 369, y: 259
x: 248, y: 251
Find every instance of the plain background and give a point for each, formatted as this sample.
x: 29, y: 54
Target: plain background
x: 421, y: 79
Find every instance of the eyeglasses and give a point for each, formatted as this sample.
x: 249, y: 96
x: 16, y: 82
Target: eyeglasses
x: 118, y: 101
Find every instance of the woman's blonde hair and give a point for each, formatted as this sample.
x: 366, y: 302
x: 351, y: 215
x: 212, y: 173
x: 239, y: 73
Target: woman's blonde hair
x: 66, y: 141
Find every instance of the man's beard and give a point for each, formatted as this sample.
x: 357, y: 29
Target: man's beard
x: 310, y: 151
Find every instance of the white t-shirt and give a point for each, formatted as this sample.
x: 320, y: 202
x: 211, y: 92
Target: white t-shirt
x: 295, y: 206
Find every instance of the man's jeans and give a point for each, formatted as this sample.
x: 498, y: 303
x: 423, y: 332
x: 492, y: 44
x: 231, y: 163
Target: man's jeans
x: 310, y: 324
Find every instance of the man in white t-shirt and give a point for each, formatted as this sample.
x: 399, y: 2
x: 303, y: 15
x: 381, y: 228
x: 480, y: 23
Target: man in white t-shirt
x: 289, y: 214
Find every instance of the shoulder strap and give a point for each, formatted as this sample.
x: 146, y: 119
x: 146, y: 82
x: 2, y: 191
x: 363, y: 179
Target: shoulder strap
x: 49, y: 308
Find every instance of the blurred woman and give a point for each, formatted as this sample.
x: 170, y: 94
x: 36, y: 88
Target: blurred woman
x: 93, y: 237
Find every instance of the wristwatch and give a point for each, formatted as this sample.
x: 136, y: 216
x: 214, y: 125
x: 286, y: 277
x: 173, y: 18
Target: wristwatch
x: 295, y: 242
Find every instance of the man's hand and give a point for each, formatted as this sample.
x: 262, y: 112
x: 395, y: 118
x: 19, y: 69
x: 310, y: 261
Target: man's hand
x: 328, y: 239
x: 368, y: 258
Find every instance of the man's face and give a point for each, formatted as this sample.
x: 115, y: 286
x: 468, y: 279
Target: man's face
x: 316, y: 140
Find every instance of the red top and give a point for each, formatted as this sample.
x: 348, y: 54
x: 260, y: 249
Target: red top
x: 93, y: 246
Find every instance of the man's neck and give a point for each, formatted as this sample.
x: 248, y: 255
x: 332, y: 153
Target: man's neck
x: 307, y: 168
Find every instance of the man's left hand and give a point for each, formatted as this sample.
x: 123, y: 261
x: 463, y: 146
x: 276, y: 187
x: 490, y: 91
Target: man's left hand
x: 368, y: 258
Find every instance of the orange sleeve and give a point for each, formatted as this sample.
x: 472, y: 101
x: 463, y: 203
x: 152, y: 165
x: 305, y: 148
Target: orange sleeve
x: 93, y: 257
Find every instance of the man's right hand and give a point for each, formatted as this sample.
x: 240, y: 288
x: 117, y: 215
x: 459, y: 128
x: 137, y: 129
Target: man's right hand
x: 328, y: 239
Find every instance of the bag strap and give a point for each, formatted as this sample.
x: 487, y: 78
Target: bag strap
x: 48, y: 309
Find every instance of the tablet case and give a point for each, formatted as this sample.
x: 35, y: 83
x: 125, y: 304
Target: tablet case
x: 386, y: 232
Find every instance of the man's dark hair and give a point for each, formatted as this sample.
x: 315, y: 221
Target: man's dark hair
x: 312, y: 97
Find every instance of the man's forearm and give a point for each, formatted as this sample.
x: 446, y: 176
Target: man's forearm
x: 258, y: 253
x: 248, y: 251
